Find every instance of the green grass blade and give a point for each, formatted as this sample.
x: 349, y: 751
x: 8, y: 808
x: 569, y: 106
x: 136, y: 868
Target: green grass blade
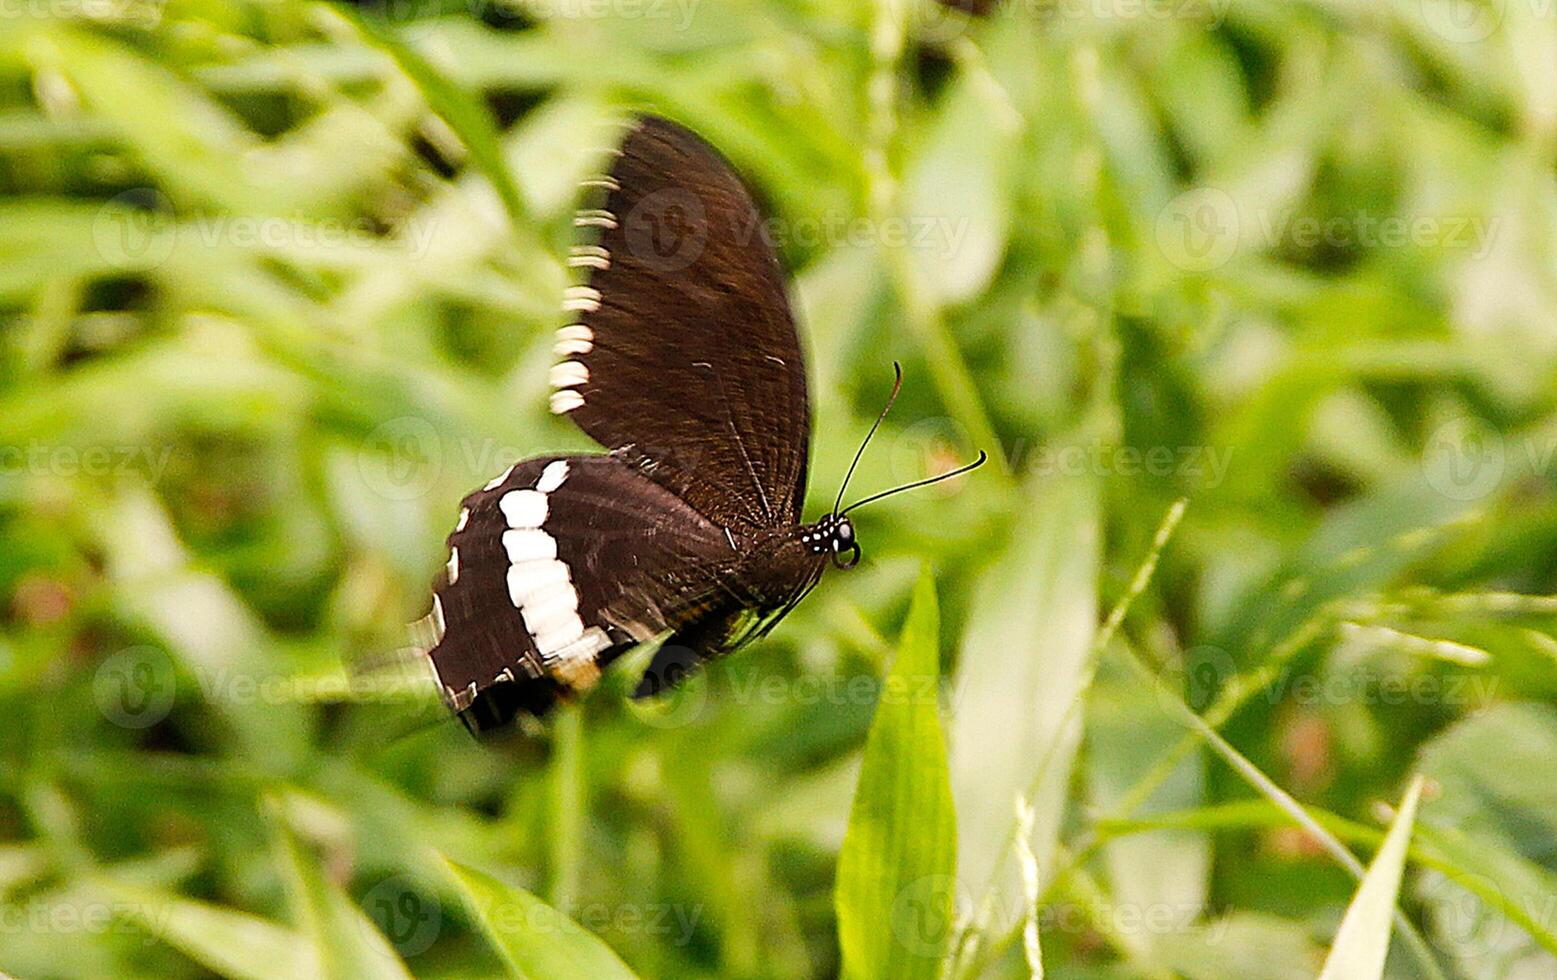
x: 536, y: 941
x: 895, y: 887
x: 1362, y: 943
x: 349, y: 945
x: 1501, y: 881
x: 464, y: 113
x: 1032, y: 947
x: 223, y: 940
x: 569, y: 808
x: 1267, y: 787
x: 1024, y: 665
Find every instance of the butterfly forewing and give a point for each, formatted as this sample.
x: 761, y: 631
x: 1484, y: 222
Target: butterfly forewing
x: 680, y: 353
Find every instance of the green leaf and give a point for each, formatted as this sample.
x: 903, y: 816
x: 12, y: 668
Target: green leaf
x: 895, y: 887
x: 536, y: 941
x: 1242, y: 946
x: 1021, y: 675
x: 955, y: 189
x: 225, y: 941
x: 1488, y: 767
x: 189, y: 140
x: 1363, y: 940
x: 349, y: 945
x: 1494, y: 827
x: 1125, y: 734
x: 1267, y: 787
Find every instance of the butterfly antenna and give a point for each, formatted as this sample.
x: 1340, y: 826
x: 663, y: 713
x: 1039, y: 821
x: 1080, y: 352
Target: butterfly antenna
x: 897, y: 385
x: 983, y: 456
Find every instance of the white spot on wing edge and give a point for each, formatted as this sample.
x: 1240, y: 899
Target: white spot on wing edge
x: 575, y: 338
x: 587, y: 646
x: 523, y: 508
x: 565, y: 400
x: 550, y: 617
x: 453, y: 567
x: 552, y: 476
x: 594, y: 218
x: 460, y: 700
x: 439, y: 625
x: 589, y: 257
x: 581, y: 299
x: 558, y: 594
x: 464, y: 519
x: 569, y: 374
x: 550, y: 608
x: 497, y: 481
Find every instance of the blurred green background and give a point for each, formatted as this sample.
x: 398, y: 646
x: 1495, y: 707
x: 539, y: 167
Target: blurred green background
x: 278, y: 289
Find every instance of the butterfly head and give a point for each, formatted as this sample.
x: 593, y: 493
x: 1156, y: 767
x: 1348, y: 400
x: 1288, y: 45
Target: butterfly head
x: 833, y: 535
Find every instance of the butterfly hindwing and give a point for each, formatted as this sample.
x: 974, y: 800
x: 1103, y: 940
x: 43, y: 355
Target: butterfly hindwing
x: 558, y: 566
x: 681, y: 354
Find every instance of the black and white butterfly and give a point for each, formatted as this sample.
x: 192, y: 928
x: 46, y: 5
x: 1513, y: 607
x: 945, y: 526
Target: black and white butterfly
x: 680, y: 357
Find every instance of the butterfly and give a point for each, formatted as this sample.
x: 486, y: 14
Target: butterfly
x: 680, y: 356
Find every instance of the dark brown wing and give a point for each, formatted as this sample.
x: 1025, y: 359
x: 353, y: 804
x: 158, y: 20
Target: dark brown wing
x: 558, y: 566
x: 681, y: 355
